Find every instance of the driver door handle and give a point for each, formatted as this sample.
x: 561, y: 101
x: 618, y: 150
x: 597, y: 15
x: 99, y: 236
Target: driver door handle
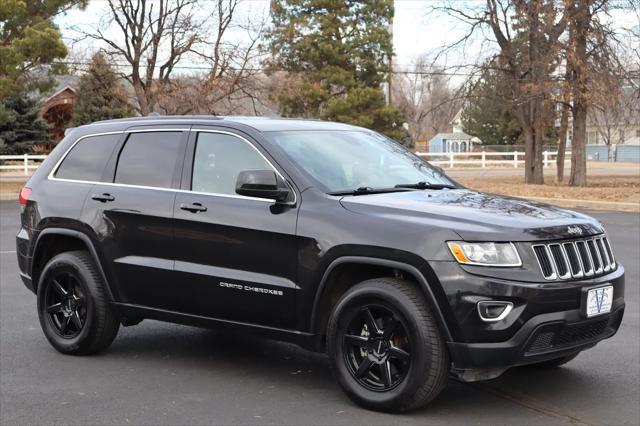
x: 193, y: 208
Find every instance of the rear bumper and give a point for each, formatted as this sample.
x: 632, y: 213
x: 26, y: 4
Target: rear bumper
x: 24, y: 260
x: 542, y: 338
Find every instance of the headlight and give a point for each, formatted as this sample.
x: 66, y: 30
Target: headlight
x: 485, y: 254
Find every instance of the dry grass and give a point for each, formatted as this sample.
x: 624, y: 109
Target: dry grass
x: 600, y: 188
x: 10, y: 187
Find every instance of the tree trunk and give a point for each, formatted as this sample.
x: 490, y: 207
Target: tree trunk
x: 562, y: 143
x: 533, y: 123
x: 578, y: 148
x: 577, y: 60
x: 141, y: 97
x: 539, y: 124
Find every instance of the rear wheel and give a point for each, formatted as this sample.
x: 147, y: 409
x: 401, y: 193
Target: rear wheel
x: 73, y: 307
x: 385, y: 347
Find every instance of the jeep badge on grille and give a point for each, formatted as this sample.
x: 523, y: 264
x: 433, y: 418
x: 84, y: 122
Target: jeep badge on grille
x: 574, y: 230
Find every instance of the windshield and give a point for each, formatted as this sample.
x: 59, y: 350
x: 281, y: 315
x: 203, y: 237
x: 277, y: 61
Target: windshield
x: 350, y: 160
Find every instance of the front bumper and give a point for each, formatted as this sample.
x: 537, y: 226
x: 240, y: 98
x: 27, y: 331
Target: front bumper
x: 542, y: 338
x: 547, y: 320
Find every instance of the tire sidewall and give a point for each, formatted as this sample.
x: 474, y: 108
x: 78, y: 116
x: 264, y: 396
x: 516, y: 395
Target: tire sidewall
x: 420, y: 355
x: 70, y: 264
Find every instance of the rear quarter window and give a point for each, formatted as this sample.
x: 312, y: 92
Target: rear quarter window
x: 88, y: 158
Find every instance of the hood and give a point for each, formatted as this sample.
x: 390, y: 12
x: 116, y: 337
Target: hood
x: 477, y: 216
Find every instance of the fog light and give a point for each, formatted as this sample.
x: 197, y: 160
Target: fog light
x: 491, y: 310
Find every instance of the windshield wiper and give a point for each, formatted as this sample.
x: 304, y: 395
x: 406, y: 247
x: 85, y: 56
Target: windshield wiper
x: 365, y: 190
x: 425, y: 185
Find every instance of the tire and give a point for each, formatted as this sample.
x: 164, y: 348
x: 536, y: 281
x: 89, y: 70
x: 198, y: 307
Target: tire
x: 556, y: 362
x: 361, y: 359
x: 73, y: 305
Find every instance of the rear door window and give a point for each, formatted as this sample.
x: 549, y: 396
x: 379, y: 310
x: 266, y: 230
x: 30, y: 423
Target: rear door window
x: 88, y: 158
x: 149, y: 159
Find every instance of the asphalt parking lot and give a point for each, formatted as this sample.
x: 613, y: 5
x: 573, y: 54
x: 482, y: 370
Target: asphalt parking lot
x: 158, y: 373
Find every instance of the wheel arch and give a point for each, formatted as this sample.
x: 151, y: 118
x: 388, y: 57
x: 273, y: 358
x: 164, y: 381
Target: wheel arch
x: 321, y: 308
x: 53, y: 241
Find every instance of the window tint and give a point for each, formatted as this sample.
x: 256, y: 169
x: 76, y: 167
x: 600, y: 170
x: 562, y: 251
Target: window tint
x: 148, y: 159
x: 218, y: 160
x: 88, y: 158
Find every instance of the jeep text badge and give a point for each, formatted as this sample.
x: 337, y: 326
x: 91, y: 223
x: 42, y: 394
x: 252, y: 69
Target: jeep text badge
x: 574, y: 230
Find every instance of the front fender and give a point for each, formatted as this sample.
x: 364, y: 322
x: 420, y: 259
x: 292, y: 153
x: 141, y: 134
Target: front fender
x: 417, y: 274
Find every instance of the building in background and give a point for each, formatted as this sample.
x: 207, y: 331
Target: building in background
x: 57, y: 109
x: 456, y: 141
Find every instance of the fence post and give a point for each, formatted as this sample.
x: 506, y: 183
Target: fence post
x: 26, y: 164
x: 451, y: 159
x: 546, y: 158
x: 484, y: 159
x: 515, y: 159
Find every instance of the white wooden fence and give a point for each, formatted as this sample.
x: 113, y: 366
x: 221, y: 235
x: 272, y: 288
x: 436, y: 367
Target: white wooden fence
x: 27, y: 163
x: 484, y: 159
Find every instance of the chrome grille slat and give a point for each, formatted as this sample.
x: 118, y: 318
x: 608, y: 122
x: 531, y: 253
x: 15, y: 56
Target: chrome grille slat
x: 560, y: 261
x: 603, y: 255
x: 595, y: 257
x: 544, y: 261
x: 584, y: 257
x: 574, y: 260
x: 610, y: 252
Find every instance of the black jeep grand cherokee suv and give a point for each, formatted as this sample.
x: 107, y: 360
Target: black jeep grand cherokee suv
x: 322, y: 234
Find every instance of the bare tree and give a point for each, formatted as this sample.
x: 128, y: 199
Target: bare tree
x: 154, y: 37
x: 612, y: 114
x: 234, y: 76
x: 595, y: 71
x: 427, y: 99
x: 527, y: 33
x: 157, y: 37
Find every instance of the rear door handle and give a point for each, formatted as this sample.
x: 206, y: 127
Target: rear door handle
x: 103, y: 198
x: 193, y: 208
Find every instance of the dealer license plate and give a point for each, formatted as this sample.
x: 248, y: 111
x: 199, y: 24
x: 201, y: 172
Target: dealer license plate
x: 599, y: 301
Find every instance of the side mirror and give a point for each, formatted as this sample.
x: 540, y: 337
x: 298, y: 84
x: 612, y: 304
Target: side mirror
x: 262, y: 184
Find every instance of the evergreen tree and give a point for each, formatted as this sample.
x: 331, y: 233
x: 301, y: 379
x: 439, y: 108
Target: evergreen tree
x: 99, y: 95
x: 30, y: 43
x: 489, y: 114
x: 20, y: 127
x: 337, y: 54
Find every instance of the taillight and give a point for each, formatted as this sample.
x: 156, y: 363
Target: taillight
x: 25, y: 193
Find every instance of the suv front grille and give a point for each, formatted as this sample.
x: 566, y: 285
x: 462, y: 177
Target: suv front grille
x: 575, y: 259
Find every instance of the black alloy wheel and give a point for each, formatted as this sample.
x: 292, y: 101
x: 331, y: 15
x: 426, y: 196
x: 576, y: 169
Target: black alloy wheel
x: 385, y: 347
x: 74, y: 309
x: 66, y: 305
x: 376, y: 348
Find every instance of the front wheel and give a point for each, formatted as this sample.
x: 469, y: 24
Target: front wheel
x: 73, y: 306
x: 385, y: 347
